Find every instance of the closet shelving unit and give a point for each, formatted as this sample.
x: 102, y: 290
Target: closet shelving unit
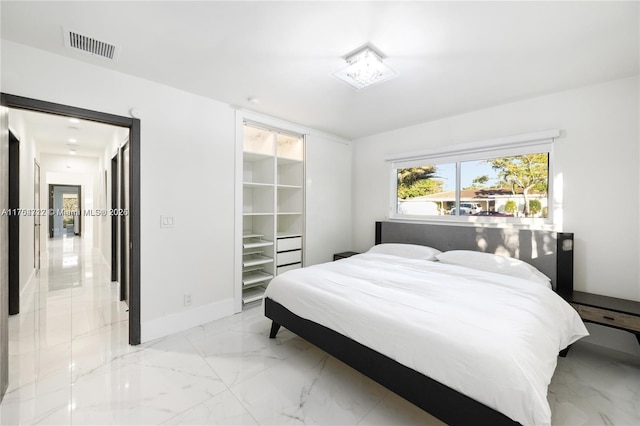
x: 273, y: 206
x: 290, y: 202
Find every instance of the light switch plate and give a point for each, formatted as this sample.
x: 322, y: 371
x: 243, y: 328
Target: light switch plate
x: 167, y: 221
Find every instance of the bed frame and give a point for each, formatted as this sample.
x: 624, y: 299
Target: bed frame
x: 550, y: 252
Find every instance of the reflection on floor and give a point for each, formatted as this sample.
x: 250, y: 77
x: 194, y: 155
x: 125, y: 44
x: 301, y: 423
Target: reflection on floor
x: 70, y: 364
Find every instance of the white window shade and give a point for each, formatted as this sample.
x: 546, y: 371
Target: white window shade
x: 528, y: 143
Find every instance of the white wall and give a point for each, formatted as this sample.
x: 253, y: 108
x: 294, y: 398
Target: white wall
x: 328, y: 198
x: 187, y: 170
x: 595, y: 159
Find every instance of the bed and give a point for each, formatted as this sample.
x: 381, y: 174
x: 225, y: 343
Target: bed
x: 469, y: 346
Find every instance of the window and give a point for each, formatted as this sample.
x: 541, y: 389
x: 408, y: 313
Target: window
x: 506, y: 180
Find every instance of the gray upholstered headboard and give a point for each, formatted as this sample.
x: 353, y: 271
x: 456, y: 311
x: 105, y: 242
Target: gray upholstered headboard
x: 550, y: 252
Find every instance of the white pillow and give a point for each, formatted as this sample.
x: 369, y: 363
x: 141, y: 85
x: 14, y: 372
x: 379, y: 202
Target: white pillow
x: 410, y: 251
x: 494, y: 263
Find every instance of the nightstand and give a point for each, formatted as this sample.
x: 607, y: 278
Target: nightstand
x: 609, y: 311
x: 344, y: 255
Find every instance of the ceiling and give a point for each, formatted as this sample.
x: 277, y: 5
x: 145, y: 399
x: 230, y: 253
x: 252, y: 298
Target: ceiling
x: 54, y: 134
x: 451, y: 57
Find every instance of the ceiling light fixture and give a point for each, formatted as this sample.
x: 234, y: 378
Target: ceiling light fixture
x: 364, y: 69
x: 74, y: 120
x: 72, y: 146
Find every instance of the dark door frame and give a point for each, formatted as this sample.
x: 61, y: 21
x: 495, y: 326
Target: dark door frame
x: 51, y: 206
x: 125, y: 253
x: 14, y: 225
x: 36, y: 217
x: 133, y: 124
x: 114, y: 219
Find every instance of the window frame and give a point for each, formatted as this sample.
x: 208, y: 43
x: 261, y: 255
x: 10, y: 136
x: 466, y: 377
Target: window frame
x: 530, y: 143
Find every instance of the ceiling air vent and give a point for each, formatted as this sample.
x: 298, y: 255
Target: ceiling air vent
x: 87, y: 44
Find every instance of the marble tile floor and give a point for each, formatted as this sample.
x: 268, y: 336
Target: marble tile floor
x: 70, y: 364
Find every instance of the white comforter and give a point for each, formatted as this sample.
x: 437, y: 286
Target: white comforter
x: 492, y: 337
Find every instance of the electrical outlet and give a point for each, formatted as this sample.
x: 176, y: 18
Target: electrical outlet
x: 187, y: 299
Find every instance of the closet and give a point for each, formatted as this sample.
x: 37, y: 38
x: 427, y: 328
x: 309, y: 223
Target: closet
x: 273, y: 176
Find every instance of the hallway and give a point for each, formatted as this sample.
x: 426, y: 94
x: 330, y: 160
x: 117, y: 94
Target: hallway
x: 70, y: 323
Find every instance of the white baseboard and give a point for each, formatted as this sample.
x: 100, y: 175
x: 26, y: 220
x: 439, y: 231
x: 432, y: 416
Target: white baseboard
x: 27, y: 283
x: 26, y: 297
x: 181, y: 321
x: 107, y: 262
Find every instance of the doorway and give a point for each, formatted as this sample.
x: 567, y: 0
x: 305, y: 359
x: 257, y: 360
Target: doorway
x: 65, y: 201
x: 133, y: 246
x: 14, y: 224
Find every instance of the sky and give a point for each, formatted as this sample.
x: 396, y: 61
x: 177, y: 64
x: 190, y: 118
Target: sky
x: 469, y: 171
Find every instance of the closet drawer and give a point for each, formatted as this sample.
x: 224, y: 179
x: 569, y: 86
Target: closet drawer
x: 283, y: 269
x: 288, y: 257
x: 285, y: 244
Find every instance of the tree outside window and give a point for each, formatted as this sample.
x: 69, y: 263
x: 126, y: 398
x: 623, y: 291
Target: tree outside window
x: 501, y: 186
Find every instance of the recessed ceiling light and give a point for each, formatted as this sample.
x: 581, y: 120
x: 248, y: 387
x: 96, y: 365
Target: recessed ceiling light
x: 364, y: 69
x: 72, y: 152
x: 72, y: 140
x: 74, y: 120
